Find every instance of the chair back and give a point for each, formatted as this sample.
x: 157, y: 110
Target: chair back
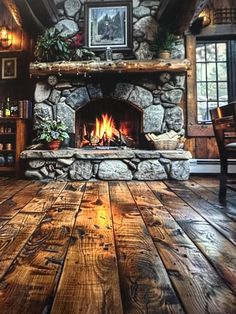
x: 224, y: 122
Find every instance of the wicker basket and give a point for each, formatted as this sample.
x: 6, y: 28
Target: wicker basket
x: 165, y: 144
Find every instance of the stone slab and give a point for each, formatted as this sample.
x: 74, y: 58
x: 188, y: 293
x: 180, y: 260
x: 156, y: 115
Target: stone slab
x: 105, y: 154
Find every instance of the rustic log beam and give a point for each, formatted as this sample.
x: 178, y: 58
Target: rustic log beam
x: 11, y: 6
x: 123, y: 66
x: 176, y: 15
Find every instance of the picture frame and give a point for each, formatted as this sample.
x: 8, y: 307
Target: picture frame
x: 108, y: 24
x: 9, y: 68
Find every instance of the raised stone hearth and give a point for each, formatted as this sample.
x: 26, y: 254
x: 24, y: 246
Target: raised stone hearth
x: 128, y: 164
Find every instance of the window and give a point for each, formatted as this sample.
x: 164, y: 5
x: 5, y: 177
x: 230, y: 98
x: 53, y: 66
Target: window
x: 212, y: 68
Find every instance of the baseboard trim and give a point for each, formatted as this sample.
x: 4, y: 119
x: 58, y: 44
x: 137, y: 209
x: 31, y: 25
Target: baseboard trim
x: 210, y: 166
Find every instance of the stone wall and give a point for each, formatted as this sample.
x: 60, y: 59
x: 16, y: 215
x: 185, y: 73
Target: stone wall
x: 79, y: 164
x: 71, y: 13
x: 157, y: 96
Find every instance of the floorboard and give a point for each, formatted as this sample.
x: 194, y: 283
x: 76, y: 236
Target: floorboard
x: 117, y: 247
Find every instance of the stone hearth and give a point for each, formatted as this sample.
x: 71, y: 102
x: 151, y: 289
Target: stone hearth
x: 127, y: 164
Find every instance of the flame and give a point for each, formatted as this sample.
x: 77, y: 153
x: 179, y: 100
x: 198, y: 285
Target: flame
x: 123, y: 128
x: 104, y: 126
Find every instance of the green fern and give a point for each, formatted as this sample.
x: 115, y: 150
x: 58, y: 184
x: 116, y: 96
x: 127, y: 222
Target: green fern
x: 163, y: 41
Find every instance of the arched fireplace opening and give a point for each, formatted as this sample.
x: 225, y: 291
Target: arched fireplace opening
x: 108, y: 122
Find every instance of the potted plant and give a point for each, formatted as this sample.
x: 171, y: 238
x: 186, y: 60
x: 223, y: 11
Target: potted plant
x: 51, y: 46
x: 163, y: 43
x: 52, y: 132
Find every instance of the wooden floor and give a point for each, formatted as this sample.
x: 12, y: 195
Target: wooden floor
x: 117, y: 247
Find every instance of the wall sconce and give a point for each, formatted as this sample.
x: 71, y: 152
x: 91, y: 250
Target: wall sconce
x: 205, y: 17
x: 203, y: 20
x: 6, y: 37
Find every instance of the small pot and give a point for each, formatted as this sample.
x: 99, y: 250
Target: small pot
x: 165, y: 54
x: 54, y: 145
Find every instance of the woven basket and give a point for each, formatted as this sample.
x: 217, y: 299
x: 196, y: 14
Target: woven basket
x: 167, y: 144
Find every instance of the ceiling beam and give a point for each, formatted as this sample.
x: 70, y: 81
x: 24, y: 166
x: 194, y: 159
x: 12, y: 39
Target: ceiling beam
x: 176, y: 15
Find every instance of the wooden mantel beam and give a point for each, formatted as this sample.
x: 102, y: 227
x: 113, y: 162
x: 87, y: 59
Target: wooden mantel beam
x: 122, y: 66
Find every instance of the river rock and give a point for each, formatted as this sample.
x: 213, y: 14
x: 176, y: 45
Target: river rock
x: 67, y: 28
x: 150, y: 170
x: 42, y: 111
x: 72, y: 7
x: 180, y: 170
x: 42, y: 91
x: 37, y: 163
x: 152, y: 119
x: 81, y: 170
x: 141, y: 97
x: 148, y: 25
x: 174, y: 118
x: 67, y: 115
x: 114, y: 170
x: 123, y: 90
x: 78, y: 98
x: 55, y: 96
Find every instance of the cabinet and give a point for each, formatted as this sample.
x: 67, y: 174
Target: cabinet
x: 12, y: 142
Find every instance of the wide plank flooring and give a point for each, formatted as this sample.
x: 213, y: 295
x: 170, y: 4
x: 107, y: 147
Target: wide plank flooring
x: 116, y: 247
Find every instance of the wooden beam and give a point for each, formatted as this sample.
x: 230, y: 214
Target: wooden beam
x: 13, y: 9
x: 31, y: 23
x: 123, y: 66
x: 176, y: 15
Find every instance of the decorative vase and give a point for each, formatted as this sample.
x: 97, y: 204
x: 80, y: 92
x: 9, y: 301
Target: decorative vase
x: 54, y: 145
x: 165, y: 54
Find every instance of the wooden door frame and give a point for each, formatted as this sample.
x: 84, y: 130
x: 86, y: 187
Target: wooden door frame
x: 194, y: 129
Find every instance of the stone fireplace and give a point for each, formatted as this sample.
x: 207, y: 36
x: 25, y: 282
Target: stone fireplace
x: 149, y: 103
x: 137, y: 94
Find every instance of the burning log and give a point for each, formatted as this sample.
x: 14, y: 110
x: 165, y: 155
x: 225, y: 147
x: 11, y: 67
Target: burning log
x: 105, y: 134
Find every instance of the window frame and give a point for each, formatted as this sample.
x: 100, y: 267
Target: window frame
x: 195, y: 128
x: 217, y: 80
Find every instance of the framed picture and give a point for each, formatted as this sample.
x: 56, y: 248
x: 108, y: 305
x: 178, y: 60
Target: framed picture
x: 9, y: 68
x: 108, y: 24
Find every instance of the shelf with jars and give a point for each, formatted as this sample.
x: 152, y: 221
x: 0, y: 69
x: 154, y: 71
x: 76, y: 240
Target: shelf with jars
x: 12, y: 142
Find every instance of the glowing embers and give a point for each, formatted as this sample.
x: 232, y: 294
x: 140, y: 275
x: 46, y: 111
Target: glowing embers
x: 104, y: 132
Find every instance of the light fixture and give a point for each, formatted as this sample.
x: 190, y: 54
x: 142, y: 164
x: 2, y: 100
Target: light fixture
x: 5, y: 37
x: 205, y: 17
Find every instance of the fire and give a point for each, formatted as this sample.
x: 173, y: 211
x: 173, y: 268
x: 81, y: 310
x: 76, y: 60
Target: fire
x: 104, y: 126
x: 123, y: 128
x: 105, y: 133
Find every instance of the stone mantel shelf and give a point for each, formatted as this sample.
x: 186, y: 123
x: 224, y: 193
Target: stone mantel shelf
x: 39, y: 69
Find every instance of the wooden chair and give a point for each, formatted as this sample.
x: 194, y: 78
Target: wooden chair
x: 224, y: 122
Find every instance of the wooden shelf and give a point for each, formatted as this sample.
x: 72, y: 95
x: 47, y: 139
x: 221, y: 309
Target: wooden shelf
x: 19, y: 125
x: 7, y: 168
x: 120, y: 66
x: 11, y: 118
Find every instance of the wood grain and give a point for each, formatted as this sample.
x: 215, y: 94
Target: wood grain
x: 216, y: 218
x: 145, y: 286
x: 90, y: 283
x: 28, y: 285
x: 197, y: 283
x: 120, y: 66
x: 8, y: 188
x: 45, y: 197
x: 116, y: 247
